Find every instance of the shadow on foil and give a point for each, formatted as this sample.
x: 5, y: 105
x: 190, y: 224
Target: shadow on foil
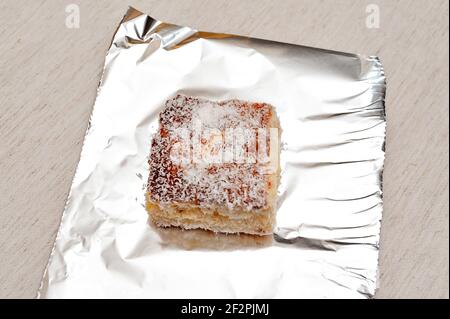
x: 199, y: 239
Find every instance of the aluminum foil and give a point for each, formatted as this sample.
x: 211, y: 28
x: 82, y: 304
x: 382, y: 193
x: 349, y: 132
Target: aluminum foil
x: 331, y: 110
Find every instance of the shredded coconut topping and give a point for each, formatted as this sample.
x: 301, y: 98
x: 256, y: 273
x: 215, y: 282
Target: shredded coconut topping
x: 208, y: 184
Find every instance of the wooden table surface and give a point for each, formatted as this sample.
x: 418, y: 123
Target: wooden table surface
x: 48, y: 81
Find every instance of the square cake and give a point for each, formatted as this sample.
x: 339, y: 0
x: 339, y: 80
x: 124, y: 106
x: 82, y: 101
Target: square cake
x: 214, y: 165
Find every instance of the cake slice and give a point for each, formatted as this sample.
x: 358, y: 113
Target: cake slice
x: 214, y: 165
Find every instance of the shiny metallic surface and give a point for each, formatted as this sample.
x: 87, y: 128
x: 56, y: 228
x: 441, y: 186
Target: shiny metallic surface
x: 331, y: 110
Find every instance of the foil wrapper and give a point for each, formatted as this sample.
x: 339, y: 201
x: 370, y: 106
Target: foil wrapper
x: 331, y: 110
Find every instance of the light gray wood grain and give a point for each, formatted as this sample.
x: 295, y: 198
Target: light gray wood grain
x: 48, y: 80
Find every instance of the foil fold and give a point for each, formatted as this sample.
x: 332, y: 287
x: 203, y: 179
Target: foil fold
x: 331, y: 109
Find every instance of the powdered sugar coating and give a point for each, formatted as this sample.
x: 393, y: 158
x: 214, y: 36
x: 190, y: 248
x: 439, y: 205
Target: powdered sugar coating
x: 226, y: 184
